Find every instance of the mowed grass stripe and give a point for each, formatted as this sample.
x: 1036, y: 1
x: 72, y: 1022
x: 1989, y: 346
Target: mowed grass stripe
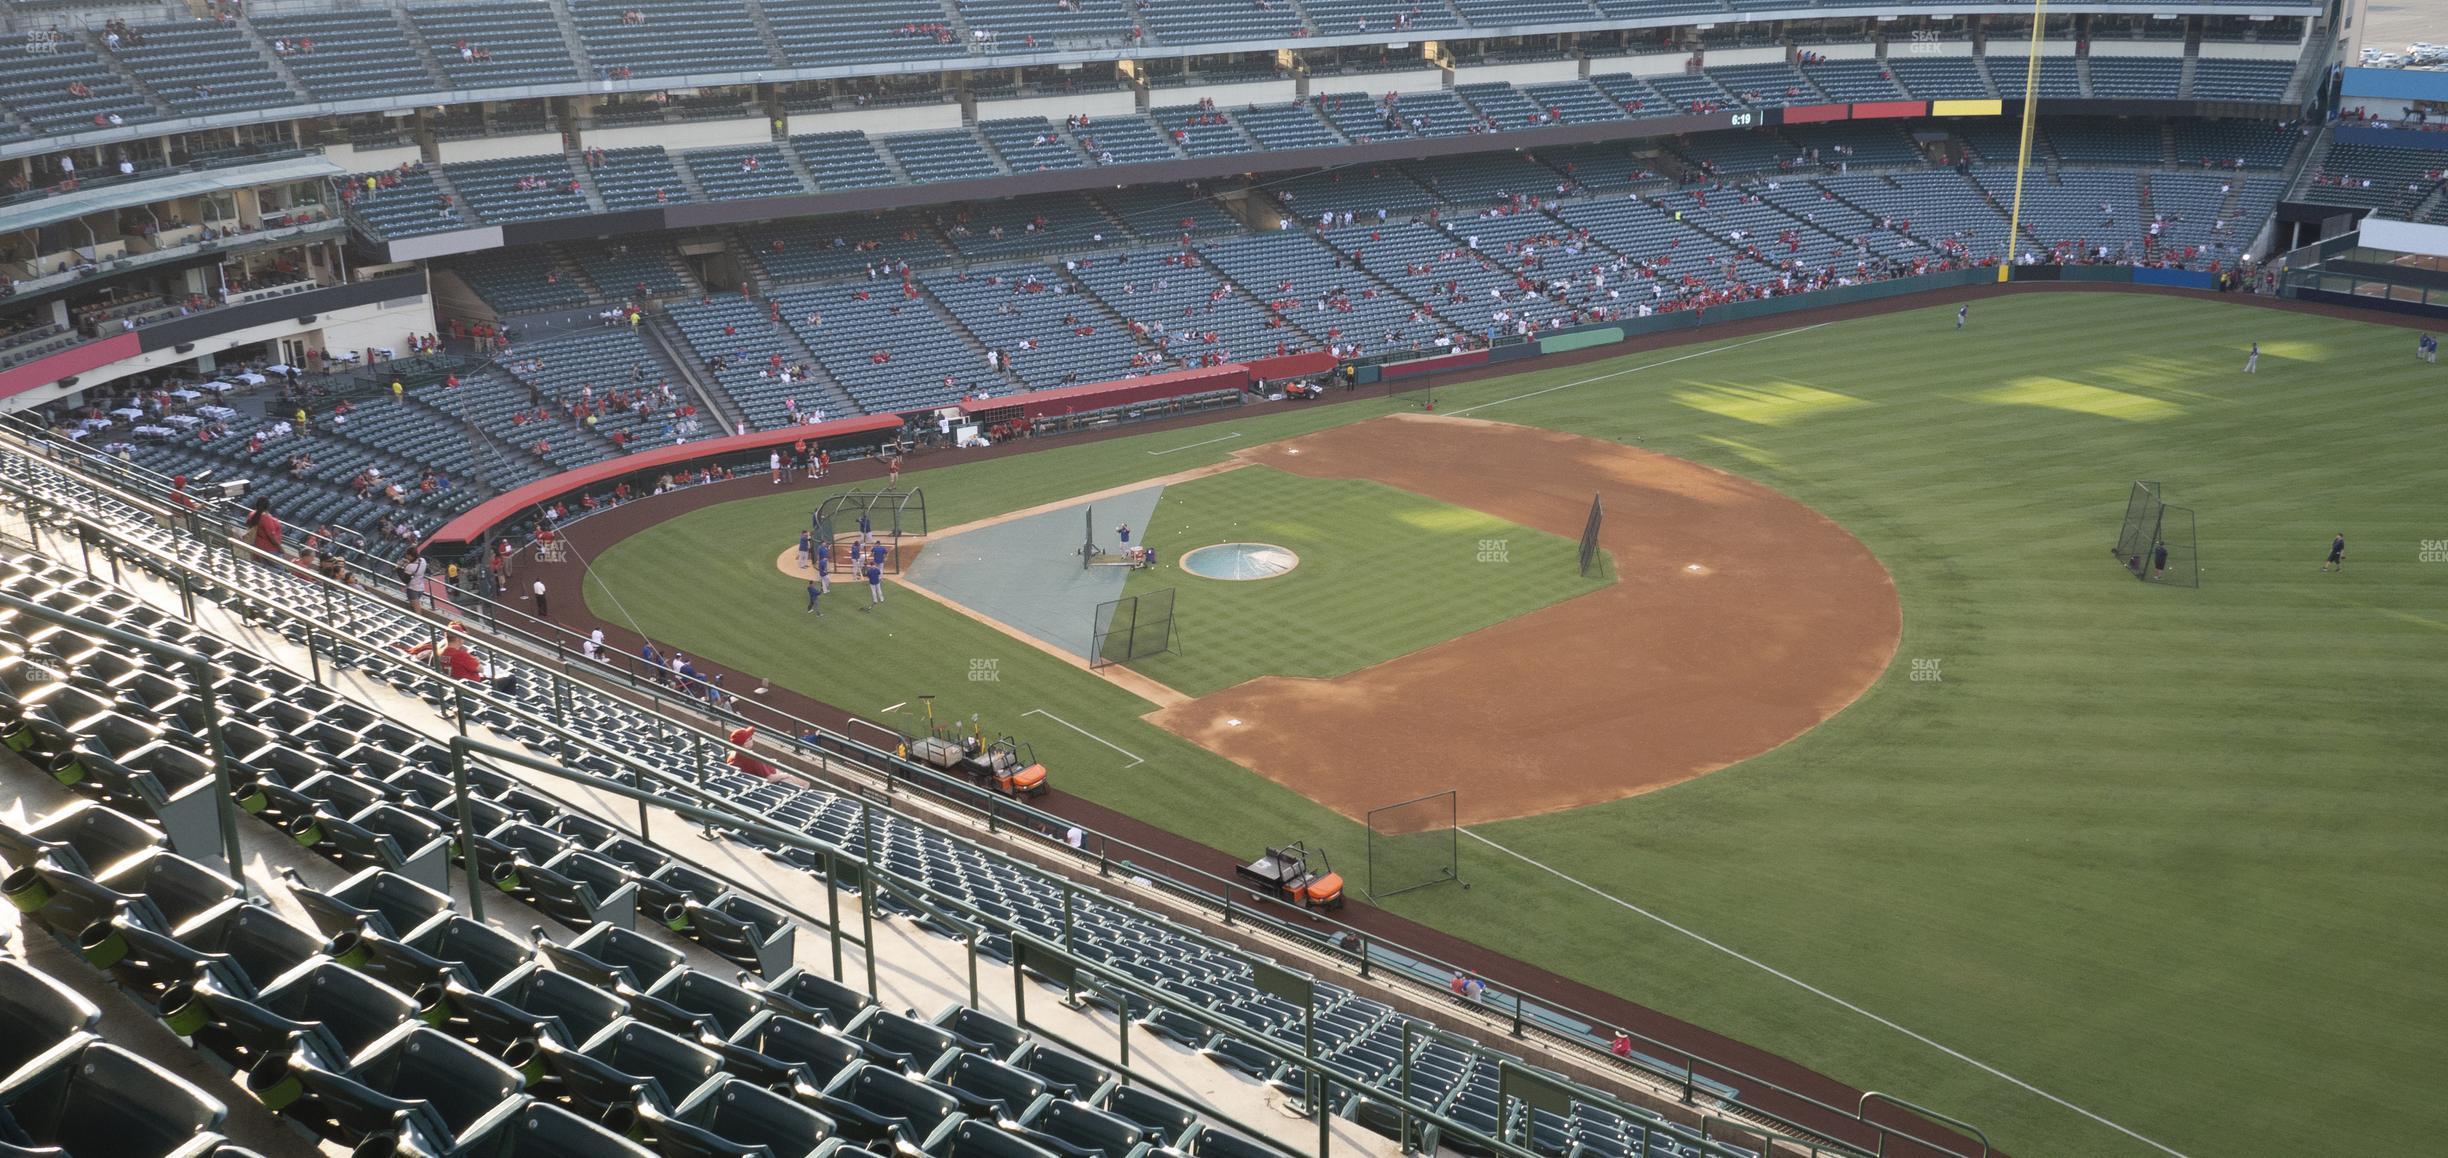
x: 2172, y: 855
x: 1382, y: 573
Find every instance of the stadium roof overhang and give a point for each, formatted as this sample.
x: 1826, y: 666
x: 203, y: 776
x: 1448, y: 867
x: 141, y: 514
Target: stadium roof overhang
x: 404, y: 102
x: 2405, y: 237
x: 128, y: 194
x: 714, y: 214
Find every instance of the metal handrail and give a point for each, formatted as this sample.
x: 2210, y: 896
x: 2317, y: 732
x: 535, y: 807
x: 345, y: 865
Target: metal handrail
x: 1861, y: 1110
x: 1193, y: 882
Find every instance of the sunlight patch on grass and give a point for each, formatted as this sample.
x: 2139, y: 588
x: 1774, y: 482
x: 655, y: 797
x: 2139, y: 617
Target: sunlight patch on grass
x: 2080, y: 398
x: 1758, y: 456
x: 1773, y: 404
x: 1452, y: 520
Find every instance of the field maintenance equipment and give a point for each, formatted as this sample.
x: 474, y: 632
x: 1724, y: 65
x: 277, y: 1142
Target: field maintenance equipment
x: 1297, y: 873
x: 1006, y: 765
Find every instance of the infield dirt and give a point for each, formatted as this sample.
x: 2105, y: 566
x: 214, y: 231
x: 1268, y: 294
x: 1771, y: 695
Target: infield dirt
x: 1738, y: 619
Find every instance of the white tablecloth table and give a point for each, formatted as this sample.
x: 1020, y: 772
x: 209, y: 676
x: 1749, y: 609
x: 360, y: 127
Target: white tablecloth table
x: 129, y: 412
x: 183, y: 421
x: 217, y: 413
x: 185, y: 395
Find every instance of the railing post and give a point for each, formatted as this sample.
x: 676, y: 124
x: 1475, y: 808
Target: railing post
x: 1317, y: 1078
x: 976, y: 932
x: 832, y: 869
x: 225, y: 803
x: 1019, y: 989
x: 867, y: 895
x: 644, y: 833
x: 1402, y: 1101
x: 476, y: 883
x: 867, y: 888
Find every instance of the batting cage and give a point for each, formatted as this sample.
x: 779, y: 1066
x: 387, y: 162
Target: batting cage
x: 2156, y: 540
x: 845, y: 521
x: 1133, y: 627
x: 1590, y: 555
x: 1414, y: 844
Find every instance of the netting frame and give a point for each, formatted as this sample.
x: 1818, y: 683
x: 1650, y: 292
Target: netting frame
x: 2142, y: 507
x: 1591, y: 556
x: 2152, y: 523
x: 1143, y: 623
x: 1410, y: 830
x: 901, y: 508
x: 2175, y: 532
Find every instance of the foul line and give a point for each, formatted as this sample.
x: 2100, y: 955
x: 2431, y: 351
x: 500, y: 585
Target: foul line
x: 1196, y: 445
x: 1813, y: 989
x: 1643, y: 366
x: 1136, y: 760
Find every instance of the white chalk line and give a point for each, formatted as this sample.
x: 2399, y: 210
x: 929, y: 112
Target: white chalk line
x: 1136, y: 759
x: 1644, y: 366
x: 1815, y: 990
x: 1196, y: 445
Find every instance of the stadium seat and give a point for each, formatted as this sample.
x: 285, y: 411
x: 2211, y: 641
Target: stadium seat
x: 44, y: 1025
x: 417, y: 1085
x: 729, y: 1116
x: 105, y: 1100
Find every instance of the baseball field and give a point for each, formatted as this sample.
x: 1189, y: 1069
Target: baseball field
x: 1861, y: 747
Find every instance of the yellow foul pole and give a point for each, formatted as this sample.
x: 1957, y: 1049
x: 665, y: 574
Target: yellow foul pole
x: 2031, y: 116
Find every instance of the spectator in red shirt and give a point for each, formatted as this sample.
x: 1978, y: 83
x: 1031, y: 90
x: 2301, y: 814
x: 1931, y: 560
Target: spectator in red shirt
x: 264, y: 528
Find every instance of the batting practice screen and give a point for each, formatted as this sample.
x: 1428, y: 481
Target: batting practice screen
x: 2141, y: 522
x: 1414, y: 844
x: 2172, y: 558
x: 1132, y: 627
x: 2155, y: 542
x: 1589, y: 534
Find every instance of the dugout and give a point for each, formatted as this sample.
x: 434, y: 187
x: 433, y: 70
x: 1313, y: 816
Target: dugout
x: 1091, y: 405
x: 844, y: 439
x: 2396, y: 266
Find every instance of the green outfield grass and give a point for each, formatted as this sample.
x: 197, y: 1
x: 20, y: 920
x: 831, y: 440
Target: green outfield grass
x: 2173, y: 857
x: 1383, y: 572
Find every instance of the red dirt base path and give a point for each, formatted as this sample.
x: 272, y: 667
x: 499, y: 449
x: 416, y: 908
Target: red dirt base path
x: 1738, y: 619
